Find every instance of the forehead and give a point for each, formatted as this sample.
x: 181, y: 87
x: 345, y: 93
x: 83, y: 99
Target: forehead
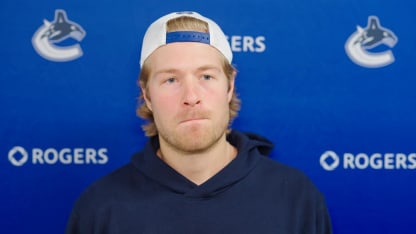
x: 185, y: 56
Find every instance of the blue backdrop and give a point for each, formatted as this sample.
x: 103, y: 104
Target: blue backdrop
x: 331, y: 83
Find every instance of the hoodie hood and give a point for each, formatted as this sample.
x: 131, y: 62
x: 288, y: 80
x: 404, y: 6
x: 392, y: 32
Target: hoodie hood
x: 251, y: 148
x: 250, y: 141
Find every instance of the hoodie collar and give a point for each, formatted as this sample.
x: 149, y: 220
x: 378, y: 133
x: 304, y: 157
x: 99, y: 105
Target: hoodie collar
x: 250, y: 147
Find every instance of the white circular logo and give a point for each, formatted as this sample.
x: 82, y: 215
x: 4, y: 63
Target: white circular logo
x: 360, y: 43
x: 16, y: 151
x: 329, y: 160
x: 47, y: 38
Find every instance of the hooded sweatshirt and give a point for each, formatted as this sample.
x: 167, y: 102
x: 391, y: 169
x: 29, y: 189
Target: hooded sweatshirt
x: 252, y: 194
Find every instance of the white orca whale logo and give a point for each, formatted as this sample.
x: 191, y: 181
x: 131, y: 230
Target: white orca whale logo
x: 59, y: 30
x: 363, y: 39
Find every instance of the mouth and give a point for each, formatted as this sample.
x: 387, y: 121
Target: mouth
x: 192, y: 120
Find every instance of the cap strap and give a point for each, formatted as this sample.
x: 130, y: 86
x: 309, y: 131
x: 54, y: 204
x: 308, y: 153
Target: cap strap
x: 187, y: 36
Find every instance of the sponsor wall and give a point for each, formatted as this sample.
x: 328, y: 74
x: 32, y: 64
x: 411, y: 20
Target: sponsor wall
x: 331, y: 83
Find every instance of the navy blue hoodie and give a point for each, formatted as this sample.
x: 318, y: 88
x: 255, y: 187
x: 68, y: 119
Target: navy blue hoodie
x: 252, y: 194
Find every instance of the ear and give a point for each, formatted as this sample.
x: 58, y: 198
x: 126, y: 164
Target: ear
x: 146, y: 97
x: 231, y: 87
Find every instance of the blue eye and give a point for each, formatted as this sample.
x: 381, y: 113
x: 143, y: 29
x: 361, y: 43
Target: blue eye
x: 206, y: 77
x: 170, y: 80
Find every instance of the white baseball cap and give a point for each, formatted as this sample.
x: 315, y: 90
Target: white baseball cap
x: 157, y: 36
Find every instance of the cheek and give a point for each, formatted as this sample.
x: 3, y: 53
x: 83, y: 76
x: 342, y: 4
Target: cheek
x: 220, y: 101
x: 163, y: 104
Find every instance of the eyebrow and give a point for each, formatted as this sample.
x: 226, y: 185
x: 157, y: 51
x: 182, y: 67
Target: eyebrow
x: 169, y: 70
x: 209, y: 67
x: 199, y: 69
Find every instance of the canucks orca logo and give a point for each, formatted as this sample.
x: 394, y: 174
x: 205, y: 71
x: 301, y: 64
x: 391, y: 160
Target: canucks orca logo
x: 372, y: 36
x: 45, y: 38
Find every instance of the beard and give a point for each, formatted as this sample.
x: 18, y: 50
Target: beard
x: 194, y: 136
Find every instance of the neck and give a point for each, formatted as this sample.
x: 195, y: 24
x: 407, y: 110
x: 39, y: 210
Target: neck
x: 199, y: 166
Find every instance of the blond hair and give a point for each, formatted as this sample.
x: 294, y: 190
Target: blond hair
x: 184, y: 23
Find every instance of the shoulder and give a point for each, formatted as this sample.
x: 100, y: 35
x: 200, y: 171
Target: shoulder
x: 295, y: 193
x: 99, y: 196
x: 283, y: 171
x: 112, y: 185
x: 291, y: 186
x: 285, y: 177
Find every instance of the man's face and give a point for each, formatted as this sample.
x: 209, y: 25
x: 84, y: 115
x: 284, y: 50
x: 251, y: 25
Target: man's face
x: 189, y: 94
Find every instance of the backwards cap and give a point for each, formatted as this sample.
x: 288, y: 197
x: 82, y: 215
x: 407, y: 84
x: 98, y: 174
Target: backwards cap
x: 156, y: 36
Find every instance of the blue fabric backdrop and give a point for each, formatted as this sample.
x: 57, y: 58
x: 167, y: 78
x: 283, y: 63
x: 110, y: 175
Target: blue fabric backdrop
x: 341, y: 110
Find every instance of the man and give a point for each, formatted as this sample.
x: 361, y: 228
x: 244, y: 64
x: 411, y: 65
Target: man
x: 195, y: 175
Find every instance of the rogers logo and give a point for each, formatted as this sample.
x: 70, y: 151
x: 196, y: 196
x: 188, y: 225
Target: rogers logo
x: 245, y: 43
x: 15, y: 159
x: 18, y: 156
x: 330, y: 161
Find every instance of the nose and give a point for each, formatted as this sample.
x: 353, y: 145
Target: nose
x: 191, y: 94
